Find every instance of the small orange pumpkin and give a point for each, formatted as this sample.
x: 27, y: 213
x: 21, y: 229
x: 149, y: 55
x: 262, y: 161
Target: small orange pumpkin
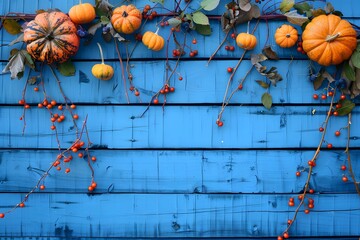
x: 51, y: 37
x: 329, y: 40
x: 126, y: 19
x: 286, y: 36
x: 101, y: 70
x: 246, y: 41
x: 82, y: 13
x: 153, y: 41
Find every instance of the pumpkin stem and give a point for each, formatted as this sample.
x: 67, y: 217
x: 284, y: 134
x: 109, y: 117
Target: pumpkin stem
x: 288, y: 35
x: 157, y: 30
x: 125, y: 14
x: 248, y: 27
x: 80, y: 1
x: 101, y: 53
x: 332, y: 37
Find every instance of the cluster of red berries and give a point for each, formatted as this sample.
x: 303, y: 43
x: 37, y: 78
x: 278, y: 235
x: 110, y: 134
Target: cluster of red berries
x: 148, y: 13
x: 229, y: 48
x: 300, y: 48
x: 135, y: 90
x: 177, y: 52
x: 164, y: 23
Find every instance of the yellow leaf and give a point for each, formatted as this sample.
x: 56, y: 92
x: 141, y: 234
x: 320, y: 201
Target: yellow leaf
x: 12, y: 26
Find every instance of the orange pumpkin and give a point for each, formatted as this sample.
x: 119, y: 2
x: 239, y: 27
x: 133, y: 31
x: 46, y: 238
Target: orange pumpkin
x: 82, y: 13
x: 101, y: 70
x: 329, y: 40
x: 246, y: 41
x: 126, y: 19
x: 153, y: 41
x: 51, y: 37
x: 286, y: 36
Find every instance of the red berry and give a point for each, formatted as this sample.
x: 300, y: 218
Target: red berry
x: 240, y: 87
x: 194, y: 41
x: 280, y: 238
x: 298, y: 174
x: 311, y: 201
x: 310, y: 205
x: 233, y: 35
x: 192, y: 54
x: 227, y: 48
x: 232, y: 48
x: 22, y: 102
x: 156, y: 101
x: 289, y: 221
x: 27, y: 106
x: 80, y: 155
x: 338, y: 105
x: 315, y: 96
x: 343, y: 97
x: 343, y: 167
x: 72, y: 106
x: 286, y: 235
x: 230, y: 69
x: 153, y: 13
x: 321, y: 129
x: 311, y: 191
x: 180, y: 78
x: 311, y: 163
x: 329, y: 145
x: 307, y: 211
x: 42, y: 187
x: 299, y: 49
x: 137, y: 93
x: 75, y: 116
x: 291, y: 204
x: 90, y: 188
x: 220, y: 123
x: 52, y: 127
x: 36, y: 89
x: 67, y: 170
x: 345, y: 179
x: 93, y: 158
x: 336, y: 113
x: 94, y: 184
x: 331, y: 93
x: 2, y: 215
x: 323, y: 96
x: 21, y: 205
x: 291, y: 199
x: 337, y: 133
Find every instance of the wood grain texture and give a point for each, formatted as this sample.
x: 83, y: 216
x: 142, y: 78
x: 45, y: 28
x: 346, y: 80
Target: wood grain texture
x: 178, y: 127
x: 200, y: 84
x: 180, y: 171
x: 177, y: 215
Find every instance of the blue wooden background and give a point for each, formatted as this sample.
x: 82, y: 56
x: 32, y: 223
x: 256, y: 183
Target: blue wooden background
x: 173, y: 172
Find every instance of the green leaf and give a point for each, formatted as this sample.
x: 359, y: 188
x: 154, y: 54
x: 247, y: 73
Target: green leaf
x: 329, y: 8
x: 209, y: 5
x: 302, y: 7
x: 104, y: 20
x: 266, y: 100
x: 200, y: 18
x: 346, y: 107
x: 286, y: 5
x: 158, y: 1
x: 355, y: 59
x: 203, y: 29
x: 67, y: 68
x: 174, y: 22
x: 263, y: 84
x: 12, y: 26
x: 348, y: 71
x: 28, y: 59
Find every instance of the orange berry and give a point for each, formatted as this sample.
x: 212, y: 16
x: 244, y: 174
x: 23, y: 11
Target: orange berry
x: 21, y: 205
x: 40, y: 105
x: 53, y: 102
x: 90, y: 188
x: 58, y: 168
x: 80, y: 155
x: 52, y: 127
x: 42, y: 187
x: 74, y: 149
x: 36, y: 89
x: 27, y: 106
x: 94, y: 184
x: 60, y: 107
x: 75, y: 116
x: 67, y: 170
x: 72, y: 106
x: 2, y: 215
x: 93, y: 158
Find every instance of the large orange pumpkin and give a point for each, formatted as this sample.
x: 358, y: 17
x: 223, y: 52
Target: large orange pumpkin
x: 51, y: 37
x: 329, y: 40
x: 126, y: 19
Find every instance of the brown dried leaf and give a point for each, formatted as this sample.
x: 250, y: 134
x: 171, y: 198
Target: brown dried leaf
x: 269, y: 53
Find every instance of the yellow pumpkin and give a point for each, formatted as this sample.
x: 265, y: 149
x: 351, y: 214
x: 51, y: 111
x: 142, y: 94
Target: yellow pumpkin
x: 246, y: 41
x: 82, y: 13
x: 329, y: 40
x: 126, y: 19
x: 286, y: 36
x: 101, y: 70
x: 153, y: 41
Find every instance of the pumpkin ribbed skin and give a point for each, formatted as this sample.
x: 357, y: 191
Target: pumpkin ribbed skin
x: 126, y: 19
x: 329, y: 40
x: 82, y: 13
x: 153, y: 41
x: 286, y: 36
x: 246, y: 41
x: 102, y: 71
x: 51, y: 37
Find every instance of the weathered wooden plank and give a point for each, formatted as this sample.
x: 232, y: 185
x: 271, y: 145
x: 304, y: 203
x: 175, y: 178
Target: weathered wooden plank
x: 178, y: 127
x: 176, y: 215
x: 163, y: 171
x: 200, y: 84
